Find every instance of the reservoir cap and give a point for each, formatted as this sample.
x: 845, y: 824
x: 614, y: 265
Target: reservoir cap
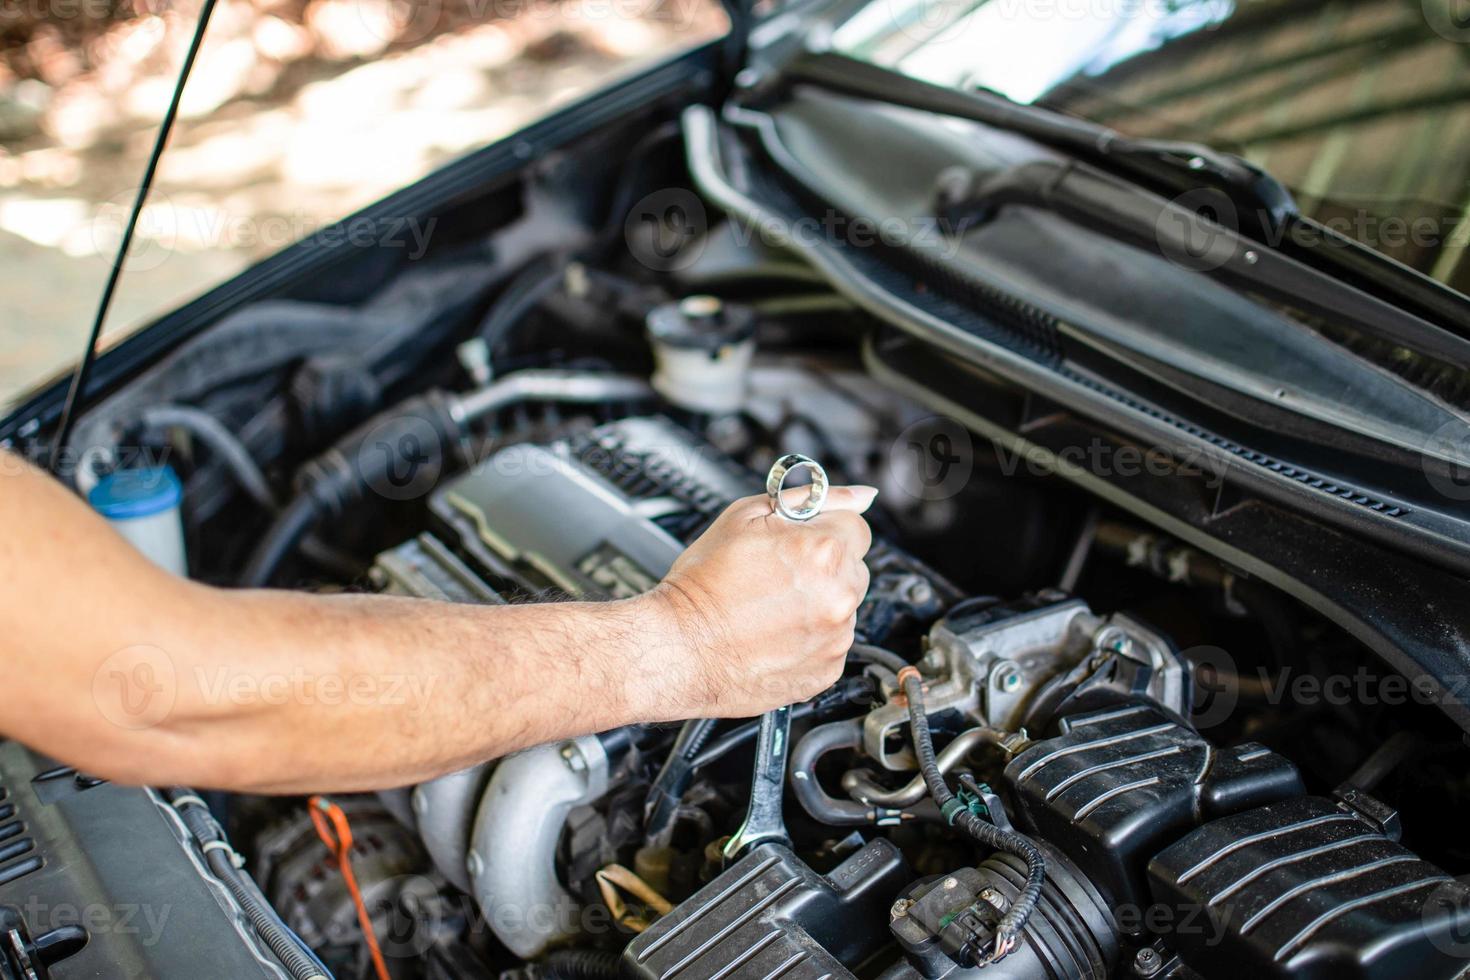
x: 136, y: 493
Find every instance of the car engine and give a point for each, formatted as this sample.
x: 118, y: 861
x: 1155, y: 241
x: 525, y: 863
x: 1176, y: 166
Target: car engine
x: 1119, y: 798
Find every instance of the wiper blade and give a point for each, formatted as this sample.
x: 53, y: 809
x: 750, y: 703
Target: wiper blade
x: 1121, y: 210
x: 1262, y: 208
x: 1262, y: 204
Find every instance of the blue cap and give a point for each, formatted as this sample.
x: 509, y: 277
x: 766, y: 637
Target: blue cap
x: 136, y: 493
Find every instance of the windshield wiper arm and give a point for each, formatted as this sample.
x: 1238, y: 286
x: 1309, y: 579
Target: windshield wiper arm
x: 1262, y: 204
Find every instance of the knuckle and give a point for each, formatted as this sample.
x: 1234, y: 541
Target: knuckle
x: 839, y: 608
x: 826, y: 552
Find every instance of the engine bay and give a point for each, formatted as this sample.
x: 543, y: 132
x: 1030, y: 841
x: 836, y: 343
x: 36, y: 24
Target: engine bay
x: 1140, y: 781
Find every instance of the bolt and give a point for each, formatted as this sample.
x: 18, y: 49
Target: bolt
x: 1009, y: 681
x: 1114, y: 640
x: 573, y: 758
x: 1147, y: 962
x: 900, y: 908
x: 919, y: 592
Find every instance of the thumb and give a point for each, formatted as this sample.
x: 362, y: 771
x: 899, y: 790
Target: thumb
x: 855, y: 498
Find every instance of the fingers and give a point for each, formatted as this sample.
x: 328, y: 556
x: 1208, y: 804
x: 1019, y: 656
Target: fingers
x: 856, y: 498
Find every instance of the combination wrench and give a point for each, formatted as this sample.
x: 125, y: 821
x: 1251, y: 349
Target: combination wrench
x: 764, y: 823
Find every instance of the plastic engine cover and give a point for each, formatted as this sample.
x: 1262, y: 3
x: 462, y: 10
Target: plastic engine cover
x: 768, y: 914
x: 1120, y: 784
x: 1309, y: 889
x: 97, y: 880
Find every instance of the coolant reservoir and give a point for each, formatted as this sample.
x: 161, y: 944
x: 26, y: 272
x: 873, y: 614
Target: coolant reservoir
x: 702, y: 348
x: 143, y: 506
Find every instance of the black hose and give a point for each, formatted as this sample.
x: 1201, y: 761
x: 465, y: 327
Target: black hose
x: 229, y: 450
x: 847, y: 691
x: 580, y: 964
x: 813, y: 798
x: 867, y: 653
x: 739, y: 735
x: 959, y: 815
x: 674, y: 778
x: 537, y: 280
x: 298, y: 958
x: 413, y: 437
x: 284, y: 535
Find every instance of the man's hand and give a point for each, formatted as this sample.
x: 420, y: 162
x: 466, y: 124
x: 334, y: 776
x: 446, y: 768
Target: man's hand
x: 761, y: 609
x: 295, y: 692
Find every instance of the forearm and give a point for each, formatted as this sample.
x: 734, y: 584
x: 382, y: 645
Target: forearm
x: 278, y: 691
x: 123, y: 670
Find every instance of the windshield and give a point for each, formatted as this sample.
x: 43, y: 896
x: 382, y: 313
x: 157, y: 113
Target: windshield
x: 1361, y: 107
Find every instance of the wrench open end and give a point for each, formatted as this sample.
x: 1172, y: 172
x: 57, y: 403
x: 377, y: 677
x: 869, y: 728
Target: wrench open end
x: 763, y: 822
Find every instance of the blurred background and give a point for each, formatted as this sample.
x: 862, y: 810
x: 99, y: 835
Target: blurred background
x: 297, y: 113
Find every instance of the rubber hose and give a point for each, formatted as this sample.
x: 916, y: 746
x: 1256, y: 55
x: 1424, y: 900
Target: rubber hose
x: 674, y: 778
x: 580, y: 964
x: 298, y: 959
x: 868, y: 653
x: 860, y: 786
x: 418, y: 432
x: 1015, y: 918
x: 809, y: 793
x: 281, y: 538
x: 539, y: 279
x: 229, y: 450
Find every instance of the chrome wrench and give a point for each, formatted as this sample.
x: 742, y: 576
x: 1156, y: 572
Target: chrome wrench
x: 764, y: 823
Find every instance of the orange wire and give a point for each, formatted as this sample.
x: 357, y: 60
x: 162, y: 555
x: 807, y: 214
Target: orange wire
x: 338, y: 838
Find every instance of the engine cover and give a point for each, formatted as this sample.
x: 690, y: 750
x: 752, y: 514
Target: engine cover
x: 1122, y: 783
x: 100, y: 880
x: 770, y: 915
x: 1308, y: 888
x: 603, y: 513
